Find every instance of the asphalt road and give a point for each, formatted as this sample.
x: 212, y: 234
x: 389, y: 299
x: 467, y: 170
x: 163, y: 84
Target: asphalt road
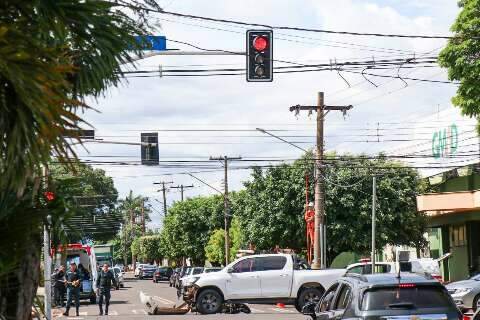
x: 125, y: 304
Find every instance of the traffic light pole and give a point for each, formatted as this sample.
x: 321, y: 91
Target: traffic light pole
x: 47, y: 263
x: 226, y: 205
x: 320, y: 238
x: 182, y: 188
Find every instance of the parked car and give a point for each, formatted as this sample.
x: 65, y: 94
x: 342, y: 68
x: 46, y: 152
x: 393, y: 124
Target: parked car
x: 184, y: 271
x: 118, y: 277
x: 466, y: 293
x: 258, y: 278
x: 147, y: 271
x: 421, y: 266
x: 162, y: 273
x: 384, y: 296
x: 211, y: 269
x: 120, y: 266
x: 138, y: 268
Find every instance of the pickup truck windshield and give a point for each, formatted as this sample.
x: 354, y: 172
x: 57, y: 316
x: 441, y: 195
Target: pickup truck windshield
x: 390, y: 298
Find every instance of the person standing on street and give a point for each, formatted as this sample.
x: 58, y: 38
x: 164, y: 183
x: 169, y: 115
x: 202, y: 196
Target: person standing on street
x: 105, y: 281
x: 73, y: 282
x: 59, y: 286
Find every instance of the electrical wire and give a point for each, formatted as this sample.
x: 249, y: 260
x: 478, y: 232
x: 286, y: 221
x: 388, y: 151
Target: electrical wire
x: 196, y: 17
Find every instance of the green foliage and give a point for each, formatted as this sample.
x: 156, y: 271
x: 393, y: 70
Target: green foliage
x: 461, y: 57
x: 188, y: 225
x: 91, y: 197
x: 147, y: 248
x: 53, y: 54
x: 215, y: 248
x: 273, y: 207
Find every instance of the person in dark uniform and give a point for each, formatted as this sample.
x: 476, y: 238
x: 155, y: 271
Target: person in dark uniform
x: 73, y: 282
x: 59, y: 286
x: 105, y: 281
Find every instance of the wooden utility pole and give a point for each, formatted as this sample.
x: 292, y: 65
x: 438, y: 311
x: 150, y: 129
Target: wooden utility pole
x: 226, y: 204
x: 164, y: 191
x: 182, y: 188
x: 320, y: 239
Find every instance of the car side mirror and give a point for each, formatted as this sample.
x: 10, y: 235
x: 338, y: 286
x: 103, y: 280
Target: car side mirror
x: 230, y: 270
x: 309, y: 310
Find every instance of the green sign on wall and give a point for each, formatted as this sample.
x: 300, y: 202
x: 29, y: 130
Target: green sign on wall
x: 445, y: 142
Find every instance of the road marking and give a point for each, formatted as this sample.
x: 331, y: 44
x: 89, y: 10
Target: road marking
x: 255, y: 310
x: 113, y: 313
x: 136, y: 311
x: 163, y: 300
x: 281, y: 310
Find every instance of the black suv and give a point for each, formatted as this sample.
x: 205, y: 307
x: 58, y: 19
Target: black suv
x: 384, y: 296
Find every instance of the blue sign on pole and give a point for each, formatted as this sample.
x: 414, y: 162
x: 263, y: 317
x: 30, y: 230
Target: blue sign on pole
x: 156, y: 43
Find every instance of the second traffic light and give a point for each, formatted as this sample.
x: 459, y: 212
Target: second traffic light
x: 259, y: 55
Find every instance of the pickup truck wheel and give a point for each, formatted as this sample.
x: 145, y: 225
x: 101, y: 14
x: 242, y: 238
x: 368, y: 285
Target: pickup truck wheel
x: 308, y: 295
x: 209, y: 301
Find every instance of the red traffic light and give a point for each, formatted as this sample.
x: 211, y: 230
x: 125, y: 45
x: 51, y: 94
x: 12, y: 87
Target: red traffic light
x: 260, y: 43
x: 49, y: 195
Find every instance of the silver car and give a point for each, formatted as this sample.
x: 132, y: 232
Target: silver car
x: 466, y: 293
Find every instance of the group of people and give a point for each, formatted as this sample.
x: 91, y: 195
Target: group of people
x: 71, y: 281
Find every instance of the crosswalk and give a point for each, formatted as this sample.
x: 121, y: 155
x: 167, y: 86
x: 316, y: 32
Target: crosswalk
x: 255, y: 310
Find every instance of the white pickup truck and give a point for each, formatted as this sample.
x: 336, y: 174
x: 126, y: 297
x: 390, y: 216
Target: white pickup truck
x: 266, y: 278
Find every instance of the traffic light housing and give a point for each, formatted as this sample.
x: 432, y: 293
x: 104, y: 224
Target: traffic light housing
x: 259, y: 55
x: 149, y: 148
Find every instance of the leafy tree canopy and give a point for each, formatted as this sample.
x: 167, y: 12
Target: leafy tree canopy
x: 188, y: 225
x: 461, y: 57
x: 273, y: 207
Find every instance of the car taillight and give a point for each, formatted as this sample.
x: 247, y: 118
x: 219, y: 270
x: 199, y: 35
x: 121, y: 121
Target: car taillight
x: 465, y: 317
x: 407, y: 285
x: 439, y: 278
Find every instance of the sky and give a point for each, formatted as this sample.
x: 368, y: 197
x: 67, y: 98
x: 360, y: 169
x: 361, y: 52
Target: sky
x: 383, y: 111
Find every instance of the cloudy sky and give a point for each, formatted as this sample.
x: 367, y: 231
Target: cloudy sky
x: 388, y: 111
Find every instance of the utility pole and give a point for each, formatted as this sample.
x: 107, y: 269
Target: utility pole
x: 320, y: 239
x: 47, y: 270
x: 164, y: 191
x: 374, y: 211
x: 143, y: 217
x: 226, y: 203
x: 182, y: 188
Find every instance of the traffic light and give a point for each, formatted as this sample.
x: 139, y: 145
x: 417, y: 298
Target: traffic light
x: 259, y: 55
x: 149, y: 148
x: 49, y: 196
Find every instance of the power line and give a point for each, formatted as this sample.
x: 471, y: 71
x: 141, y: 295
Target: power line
x: 190, y: 16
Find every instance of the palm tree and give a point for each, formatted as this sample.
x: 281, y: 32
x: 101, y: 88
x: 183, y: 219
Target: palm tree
x: 53, y: 54
x: 132, y: 208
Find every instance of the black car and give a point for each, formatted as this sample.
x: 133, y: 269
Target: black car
x: 384, y: 297
x: 147, y: 271
x: 162, y: 273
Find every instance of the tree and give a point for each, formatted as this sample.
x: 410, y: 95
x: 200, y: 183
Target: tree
x: 215, y: 248
x: 92, y: 197
x: 132, y: 208
x: 53, y: 54
x: 273, y: 207
x: 188, y: 225
x: 461, y: 56
x: 147, y: 248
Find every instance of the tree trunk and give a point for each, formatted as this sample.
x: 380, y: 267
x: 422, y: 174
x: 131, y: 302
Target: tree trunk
x: 18, y: 293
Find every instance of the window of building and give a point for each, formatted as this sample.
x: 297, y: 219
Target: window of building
x: 458, y: 235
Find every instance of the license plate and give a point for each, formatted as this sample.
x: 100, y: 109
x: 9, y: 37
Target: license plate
x: 418, y: 317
